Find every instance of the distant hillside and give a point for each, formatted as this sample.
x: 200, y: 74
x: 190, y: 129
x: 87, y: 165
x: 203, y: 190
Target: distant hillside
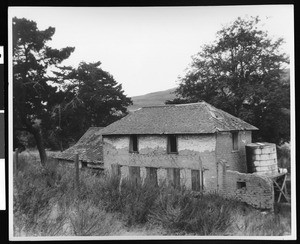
x: 152, y: 99
x: 159, y: 98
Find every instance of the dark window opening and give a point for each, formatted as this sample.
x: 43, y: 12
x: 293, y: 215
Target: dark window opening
x: 172, y: 144
x: 240, y: 184
x: 133, y: 146
x: 235, y: 140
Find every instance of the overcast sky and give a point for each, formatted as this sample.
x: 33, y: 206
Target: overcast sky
x: 145, y: 49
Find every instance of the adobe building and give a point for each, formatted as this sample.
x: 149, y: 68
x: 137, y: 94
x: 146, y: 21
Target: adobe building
x: 179, y: 144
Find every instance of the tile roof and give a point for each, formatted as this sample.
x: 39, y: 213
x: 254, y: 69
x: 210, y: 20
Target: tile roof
x: 193, y: 118
x: 89, y: 147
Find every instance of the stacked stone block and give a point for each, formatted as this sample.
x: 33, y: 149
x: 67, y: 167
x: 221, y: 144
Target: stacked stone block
x: 262, y: 158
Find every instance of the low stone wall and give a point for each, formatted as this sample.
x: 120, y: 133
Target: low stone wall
x: 255, y: 190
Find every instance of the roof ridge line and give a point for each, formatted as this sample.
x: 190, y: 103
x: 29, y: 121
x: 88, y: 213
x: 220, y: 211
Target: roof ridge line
x: 174, y: 105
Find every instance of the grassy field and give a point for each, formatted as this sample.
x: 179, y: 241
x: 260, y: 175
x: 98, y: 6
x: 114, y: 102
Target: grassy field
x: 46, y: 204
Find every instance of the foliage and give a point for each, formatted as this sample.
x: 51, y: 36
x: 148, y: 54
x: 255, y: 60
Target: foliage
x: 133, y: 201
x: 284, y: 156
x: 34, y: 96
x: 206, y: 214
x: 249, y: 222
x: 57, y: 104
x: 244, y: 72
x: 45, y: 204
x: 138, y: 200
x: 95, y: 99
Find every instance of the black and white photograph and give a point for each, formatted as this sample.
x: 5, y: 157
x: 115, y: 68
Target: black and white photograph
x: 151, y: 122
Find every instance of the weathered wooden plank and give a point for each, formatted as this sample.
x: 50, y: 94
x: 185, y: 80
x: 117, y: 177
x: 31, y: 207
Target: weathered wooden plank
x: 173, y: 177
x: 135, y: 174
x: 195, y: 180
x: 151, y: 175
x: 116, y: 170
x: 176, y: 178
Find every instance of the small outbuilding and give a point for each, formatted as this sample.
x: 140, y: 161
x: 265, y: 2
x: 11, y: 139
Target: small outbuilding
x: 89, y: 149
x: 181, y: 144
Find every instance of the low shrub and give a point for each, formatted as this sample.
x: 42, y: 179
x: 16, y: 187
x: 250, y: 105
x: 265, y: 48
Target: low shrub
x: 257, y: 223
x: 182, y: 211
x: 107, y: 192
x: 31, y: 192
x: 137, y: 201
x: 88, y: 219
x: 134, y: 201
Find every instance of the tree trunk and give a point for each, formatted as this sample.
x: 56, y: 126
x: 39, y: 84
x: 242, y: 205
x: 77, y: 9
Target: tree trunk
x: 36, y: 132
x: 40, y: 144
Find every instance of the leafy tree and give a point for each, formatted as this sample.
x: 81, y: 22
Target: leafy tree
x: 94, y: 99
x: 34, y: 94
x: 244, y: 72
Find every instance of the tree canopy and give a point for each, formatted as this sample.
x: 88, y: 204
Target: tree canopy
x: 95, y: 99
x: 244, y: 72
x: 55, y: 103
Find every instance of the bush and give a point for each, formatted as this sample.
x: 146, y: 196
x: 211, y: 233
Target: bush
x: 137, y: 201
x: 31, y: 192
x: 133, y: 201
x: 182, y: 211
x: 107, y: 192
x: 45, y: 202
x: 87, y: 219
x: 257, y: 223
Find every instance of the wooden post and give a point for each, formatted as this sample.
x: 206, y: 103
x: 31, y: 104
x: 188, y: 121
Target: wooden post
x: 201, y: 176
x: 77, y: 174
x: 151, y: 176
x: 134, y: 175
x: 116, y: 170
x: 177, y: 178
x: 195, y: 180
x: 173, y: 176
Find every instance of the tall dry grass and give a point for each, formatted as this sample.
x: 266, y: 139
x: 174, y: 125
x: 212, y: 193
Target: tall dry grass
x: 45, y: 204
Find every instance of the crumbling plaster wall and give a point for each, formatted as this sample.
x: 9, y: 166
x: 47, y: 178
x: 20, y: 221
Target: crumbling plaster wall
x: 194, y: 152
x: 256, y: 190
x: 236, y: 159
